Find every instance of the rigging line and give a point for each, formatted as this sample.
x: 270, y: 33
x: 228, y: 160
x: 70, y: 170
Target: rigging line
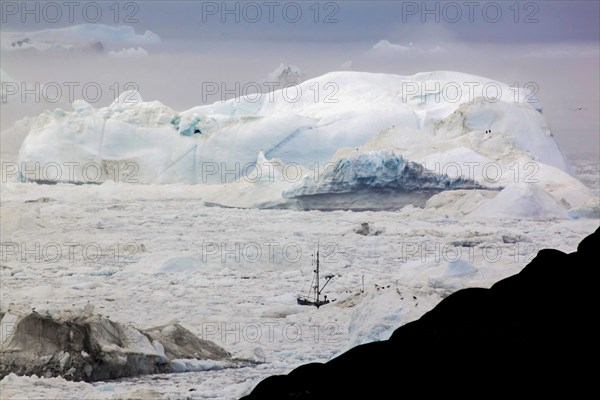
x: 304, y: 287
x: 307, y: 293
x: 312, y: 286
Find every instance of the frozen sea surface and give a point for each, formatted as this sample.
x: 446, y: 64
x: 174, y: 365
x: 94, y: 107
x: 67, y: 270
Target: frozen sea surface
x: 149, y: 255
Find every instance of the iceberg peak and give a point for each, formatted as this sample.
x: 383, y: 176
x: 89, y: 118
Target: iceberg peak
x: 128, y: 97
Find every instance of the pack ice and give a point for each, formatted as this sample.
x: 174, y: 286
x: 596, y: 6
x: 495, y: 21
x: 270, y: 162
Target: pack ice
x: 341, y: 140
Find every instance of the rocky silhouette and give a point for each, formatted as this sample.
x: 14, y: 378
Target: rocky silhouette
x: 530, y: 334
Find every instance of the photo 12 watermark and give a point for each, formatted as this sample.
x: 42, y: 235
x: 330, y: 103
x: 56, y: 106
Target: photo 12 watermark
x: 74, y: 172
x: 270, y: 12
x: 452, y: 252
x: 273, y: 252
x: 420, y: 92
x: 489, y: 172
x: 270, y: 92
x: 518, y: 12
x: 60, y: 12
x: 267, y: 332
x: 69, y: 91
x: 70, y: 252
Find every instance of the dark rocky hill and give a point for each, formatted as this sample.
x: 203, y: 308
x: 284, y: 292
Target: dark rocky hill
x: 530, y: 334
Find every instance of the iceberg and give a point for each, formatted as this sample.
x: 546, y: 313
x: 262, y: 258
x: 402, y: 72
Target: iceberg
x: 374, y: 180
x: 379, y: 170
x: 82, y: 37
x: 374, y: 129
x: 80, y: 345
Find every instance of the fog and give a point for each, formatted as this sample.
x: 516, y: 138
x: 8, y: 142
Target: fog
x: 557, y: 56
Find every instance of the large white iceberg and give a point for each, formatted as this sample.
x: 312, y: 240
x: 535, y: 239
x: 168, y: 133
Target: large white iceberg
x: 457, y: 126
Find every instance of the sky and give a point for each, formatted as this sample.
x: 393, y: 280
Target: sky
x: 338, y: 22
x: 355, y: 21
x: 552, y: 46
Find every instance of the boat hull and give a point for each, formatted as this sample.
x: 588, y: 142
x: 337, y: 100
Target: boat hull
x: 307, y: 302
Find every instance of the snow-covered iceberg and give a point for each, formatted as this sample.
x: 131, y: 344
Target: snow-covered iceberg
x: 466, y: 131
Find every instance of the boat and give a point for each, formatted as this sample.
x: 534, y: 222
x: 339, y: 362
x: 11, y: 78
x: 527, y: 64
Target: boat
x: 313, y: 297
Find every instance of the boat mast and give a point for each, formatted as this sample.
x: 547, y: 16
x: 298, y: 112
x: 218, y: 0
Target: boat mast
x: 317, y: 283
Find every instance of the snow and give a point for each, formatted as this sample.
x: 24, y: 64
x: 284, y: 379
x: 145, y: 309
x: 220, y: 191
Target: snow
x: 459, y: 268
x: 455, y: 272
x: 180, y: 264
x: 383, y: 310
x: 588, y: 210
x: 521, y: 201
x: 262, y: 187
